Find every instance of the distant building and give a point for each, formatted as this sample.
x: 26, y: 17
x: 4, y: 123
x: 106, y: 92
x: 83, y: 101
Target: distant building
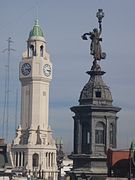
x: 5, y: 162
x: 120, y: 163
x: 67, y: 166
x: 33, y: 148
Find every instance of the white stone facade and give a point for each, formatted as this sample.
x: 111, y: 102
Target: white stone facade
x: 34, y: 148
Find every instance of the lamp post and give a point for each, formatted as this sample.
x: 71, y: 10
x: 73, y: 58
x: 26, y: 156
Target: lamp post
x: 100, y: 14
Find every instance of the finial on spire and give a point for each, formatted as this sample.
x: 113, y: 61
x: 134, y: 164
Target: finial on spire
x: 36, y: 22
x: 95, y: 46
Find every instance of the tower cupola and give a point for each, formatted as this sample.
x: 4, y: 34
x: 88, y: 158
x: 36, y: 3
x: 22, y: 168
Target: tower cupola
x: 36, y: 44
x: 36, y: 31
x: 96, y: 92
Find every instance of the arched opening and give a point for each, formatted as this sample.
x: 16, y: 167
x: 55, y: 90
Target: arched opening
x: 32, y: 52
x: 35, y: 160
x: 41, y: 50
x: 100, y: 133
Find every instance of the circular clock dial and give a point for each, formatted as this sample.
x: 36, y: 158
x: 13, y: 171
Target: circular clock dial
x: 47, y: 70
x: 26, y: 68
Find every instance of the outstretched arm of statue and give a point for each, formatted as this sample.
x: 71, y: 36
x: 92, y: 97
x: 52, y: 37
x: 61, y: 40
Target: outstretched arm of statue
x: 84, y: 36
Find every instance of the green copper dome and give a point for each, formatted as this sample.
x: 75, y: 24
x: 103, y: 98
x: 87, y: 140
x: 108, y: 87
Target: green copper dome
x: 36, y: 31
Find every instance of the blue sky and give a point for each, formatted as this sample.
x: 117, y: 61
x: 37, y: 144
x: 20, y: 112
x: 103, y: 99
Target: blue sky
x: 63, y: 23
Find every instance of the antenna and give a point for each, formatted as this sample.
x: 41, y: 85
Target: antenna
x: 6, y: 97
x: 4, y: 110
x: 16, y: 109
x: 37, y: 12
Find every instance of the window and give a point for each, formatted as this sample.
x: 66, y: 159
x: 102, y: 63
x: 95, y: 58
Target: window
x: 32, y: 50
x: 88, y: 137
x: 35, y: 160
x: 100, y: 133
x: 98, y: 94
x: 41, y: 51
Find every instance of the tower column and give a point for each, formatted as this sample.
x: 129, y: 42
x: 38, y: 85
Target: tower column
x: 92, y: 136
x: 77, y: 136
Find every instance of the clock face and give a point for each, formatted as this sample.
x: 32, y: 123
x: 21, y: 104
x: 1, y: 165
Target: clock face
x: 26, y: 68
x: 47, y: 70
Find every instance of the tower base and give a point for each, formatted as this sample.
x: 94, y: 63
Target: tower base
x: 35, y: 160
x: 88, y: 167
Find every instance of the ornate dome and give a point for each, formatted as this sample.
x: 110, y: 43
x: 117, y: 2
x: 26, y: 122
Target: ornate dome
x: 96, y: 92
x: 36, y: 31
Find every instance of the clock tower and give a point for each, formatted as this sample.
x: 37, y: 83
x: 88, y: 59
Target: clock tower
x: 34, y: 147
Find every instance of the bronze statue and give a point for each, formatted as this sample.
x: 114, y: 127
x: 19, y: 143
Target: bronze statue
x: 95, y: 46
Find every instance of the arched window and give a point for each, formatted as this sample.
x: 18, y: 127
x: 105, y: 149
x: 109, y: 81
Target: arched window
x: 41, y: 51
x: 32, y: 53
x: 111, y: 133
x: 35, y: 159
x: 100, y: 133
